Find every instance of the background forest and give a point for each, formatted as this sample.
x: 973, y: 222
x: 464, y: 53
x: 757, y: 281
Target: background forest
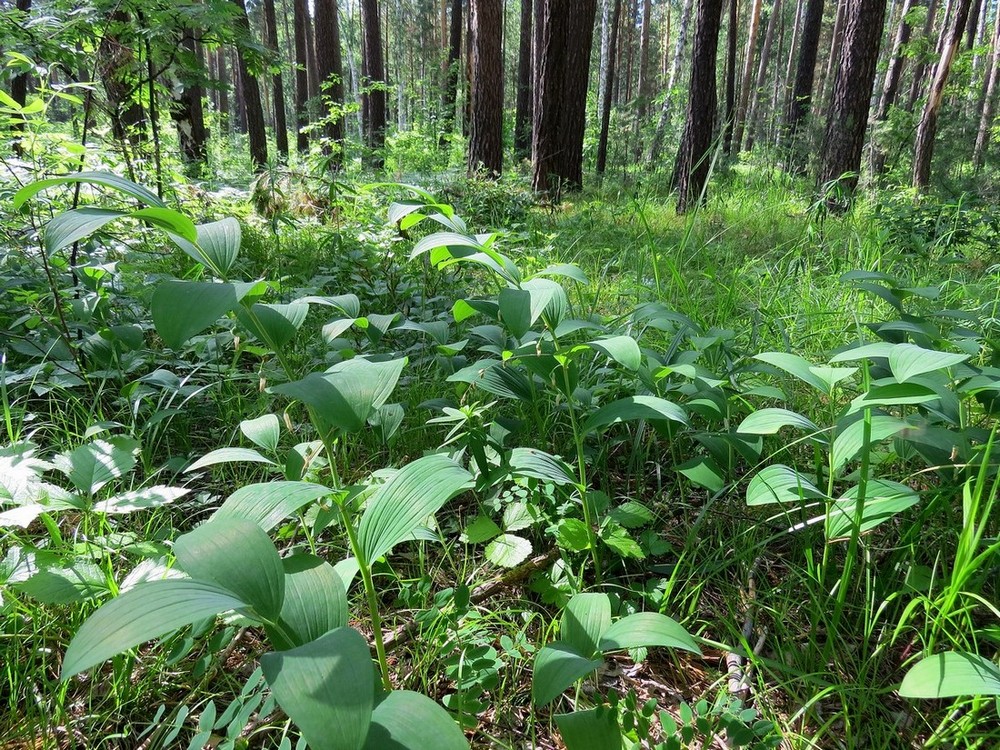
x: 499, y: 374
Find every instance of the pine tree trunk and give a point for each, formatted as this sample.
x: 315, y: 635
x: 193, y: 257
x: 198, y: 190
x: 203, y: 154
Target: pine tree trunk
x: 731, y: 52
x: 744, y: 91
x: 923, y: 152
x: 989, y: 100
x: 606, y: 86
x: 793, y: 51
x: 522, y: 115
x: 557, y: 143
x: 450, y: 93
x: 330, y: 71
x: 253, y: 109
x: 975, y: 12
x: 893, y: 74
x: 187, y: 111
x: 486, y: 128
x: 765, y: 60
x: 301, y: 75
x: 224, y: 85
x: 117, y: 66
x: 374, y: 71
x: 833, y: 59
x: 642, y: 101
x: 19, y: 87
x: 691, y: 167
x: 280, y: 125
x: 805, y: 76
x: 921, y: 66
x: 852, y: 93
x: 665, y: 113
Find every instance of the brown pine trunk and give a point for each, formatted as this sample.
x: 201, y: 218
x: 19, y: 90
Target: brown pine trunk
x: 852, y: 93
x: 805, y: 76
x: 793, y: 51
x: 486, y: 127
x: 278, y: 103
x: 748, y: 60
x: 921, y: 66
x: 893, y: 74
x: 607, y: 85
x: 522, y: 115
x: 833, y: 58
x: 374, y: 70
x: 975, y: 12
x: 117, y: 66
x: 923, y: 152
x: 731, y: 52
x: 765, y: 60
x: 989, y: 100
x: 642, y: 101
x: 450, y: 93
x: 19, y: 86
x: 253, y: 109
x: 667, y: 111
x: 691, y: 167
x: 301, y: 75
x: 330, y: 71
x: 186, y: 108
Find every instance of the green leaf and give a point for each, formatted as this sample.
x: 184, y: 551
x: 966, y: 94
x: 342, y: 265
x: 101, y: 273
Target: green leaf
x: 632, y: 408
x: 326, y: 687
x: 951, y: 674
x: 274, y: 325
x: 168, y: 220
x: 219, y: 243
x: 315, y: 602
x: 883, y: 500
x: 584, y: 621
x: 536, y: 464
x: 93, y: 465
x: 907, y: 361
x: 148, y: 611
x: 105, y: 179
x: 851, y: 439
x: 619, y: 540
x: 182, y: 309
x: 557, y: 666
x: 769, y: 421
x: 821, y: 378
x: 877, y: 350
x: 70, y: 226
x: 704, y: 472
x: 263, y: 431
x: 508, y: 550
x: 781, y: 484
x: 572, y: 535
x: 269, y: 503
x: 647, y: 629
x: 405, y: 720
x: 894, y: 394
x: 416, y: 491
x: 130, y: 502
x: 482, y: 529
x: 567, y: 270
x: 237, y: 555
x: 515, y: 311
x: 547, y: 298
x: 228, y: 455
x: 632, y: 514
x: 622, y: 349
x: 65, y: 584
x: 595, y: 729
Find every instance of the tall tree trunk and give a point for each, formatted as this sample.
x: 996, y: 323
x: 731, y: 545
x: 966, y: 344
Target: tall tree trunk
x: 375, y: 71
x: 989, y: 100
x: 765, y: 60
x: 250, y: 88
x: 224, y: 86
x: 450, y: 94
x: 893, y: 74
x: 186, y: 108
x: 675, y: 70
x: 19, y: 86
x: 921, y: 66
x: 805, y: 76
x: 833, y: 59
x: 313, y: 66
x: 923, y: 151
x: 732, y: 45
x: 642, y: 101
x: 301, y: 75
x: 486, y: 128
x: 744, y: 92
x: 691, y: 167
x: 975, y: 12
x: 330, y: 70
x: 280, y: 125
x: 118, y: 69
x: 793, y: 51
x: 852, y: 93
x: 522, y: 115
x: 557, y: 142
x: 606, y: 85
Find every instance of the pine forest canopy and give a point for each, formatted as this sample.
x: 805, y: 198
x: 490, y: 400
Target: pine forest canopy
x: 803, y: 86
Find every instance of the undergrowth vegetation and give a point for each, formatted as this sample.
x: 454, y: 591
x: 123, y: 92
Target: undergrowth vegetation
x: 590, y: 471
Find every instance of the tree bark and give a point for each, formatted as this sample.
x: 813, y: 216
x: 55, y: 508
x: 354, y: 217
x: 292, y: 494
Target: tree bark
x: 606, y: 86
x: 186, y: 108
x: 522, y: 115
x: 805, y: 76
x: 691, y: 167
x: 250, y: 88
x: 744, y: 92
x: 923, y: 151
x: 675, y: 70
x: 833, y: 59
x: 642, y: 100
x: 19, y: 87
x: 765, y: 60
x: 486, y: 127
x: 117, y: 67
x: 731, y: 53
x: 557, y: 142
x: 330, y: 71
x: 280, y: 125
x: 374, y: 70
x: 989, y: 100
x: 450, y: 93
x: 921, y: 66
x: 975, y: 11
x: 852, y: 93
x: 893, y: 74
x: 793, y: 51
x: 301, y: 75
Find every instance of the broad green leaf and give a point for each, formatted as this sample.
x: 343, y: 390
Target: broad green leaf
x: 632, y: 408
x: 482, y: 529
x: 769, y: 421
x: 508, y: 550
x: 632, y: 514
x: 647, y: 629
x: 182, y: 309
x: 567, y: 270
x: 237, y: 555
x: 821, y: 378
x: 704, y: 472
x: 619, y: 540
x: 387, y: 418
x: 951, y: 674
x: 907, y: 361
x: 780, y: 484
x: 315, y: 602
x: 93, y: 465
x: 515, y: 311
x: 130, y: 502
x: 269, y: 503
x: 536, y: 464
x: 228, y: 455
x: 883, y: 500
x: 851, y: 439
x: 584, y: 621
x: 496, y: 378
x: 894, y: 394
x: 557, y: 666
x: 70, y: 226
x: 326, y: 687
x: 416, y: 491
x: 219, y: 243
x: 263, y: 431
x: 65, y: 584
x: 622, y: 349
x: 572, y: 535
x: 877, y: 350
x: 405, y: 720
x: 274, y: 325
x: 148, y: 611
x: 595, y: 729
x: 105, y: 179
x: 168, y: 220
x: 548, y: 298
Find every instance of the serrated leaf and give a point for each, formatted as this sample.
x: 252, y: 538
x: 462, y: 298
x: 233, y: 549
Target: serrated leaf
x: 951, y: 674
x: 631, y: 515
x: 482, y: 529
x: 91, y: 466
x: 572, y: 535
x: 269, y: 503
x: 557, y: 666
x: 508, y: 550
